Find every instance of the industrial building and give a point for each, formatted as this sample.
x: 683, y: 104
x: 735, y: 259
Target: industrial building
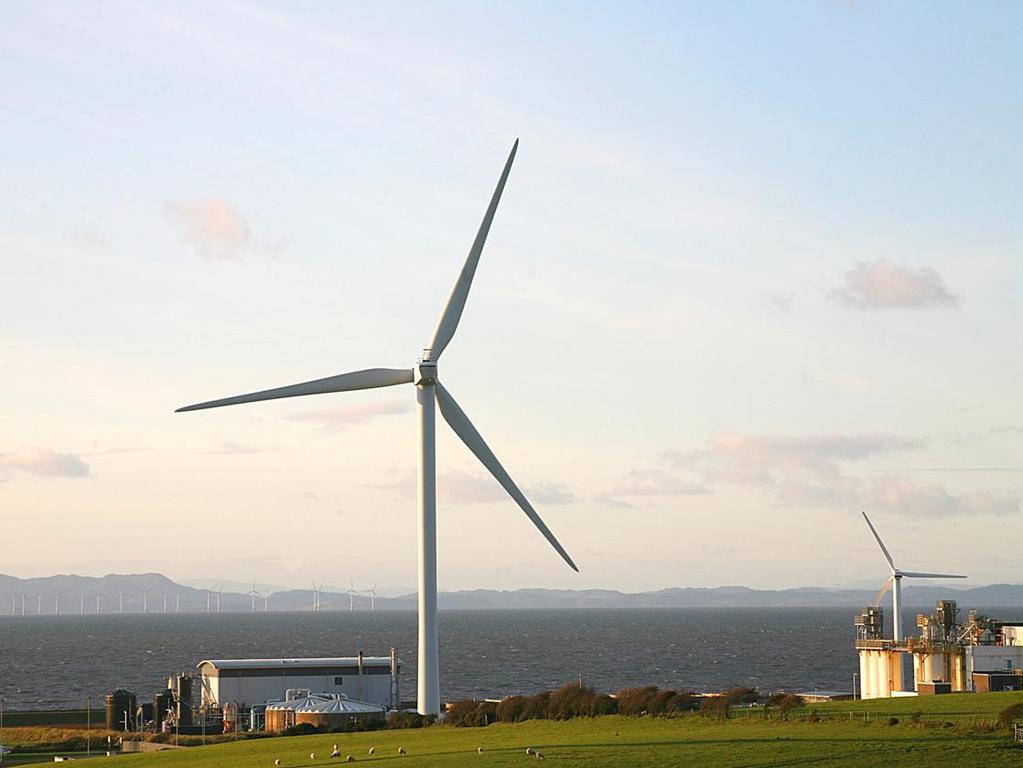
x: 947, y: 656
x: 247, y: 682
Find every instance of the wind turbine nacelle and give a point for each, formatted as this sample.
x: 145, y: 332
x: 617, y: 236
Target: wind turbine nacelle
x: 425, y: 372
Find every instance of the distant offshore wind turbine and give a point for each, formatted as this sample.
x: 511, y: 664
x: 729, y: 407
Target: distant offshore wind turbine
x: 895, y: 583
x: 429, y: 392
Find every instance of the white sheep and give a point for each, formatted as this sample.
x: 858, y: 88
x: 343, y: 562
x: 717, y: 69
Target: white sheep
x: 529, y: 750
x: 372, y: 750
x: 350, y: 759
x: 401, y: 751
x: 277, y: 762
x: 335, y: 753
x: 479, y: 750
x: 312, y: 755
x: 539, y: 755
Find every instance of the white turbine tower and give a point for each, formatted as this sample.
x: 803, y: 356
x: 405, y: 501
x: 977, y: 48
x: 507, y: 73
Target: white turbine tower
x: 253, y: 594
x: 351, y: 596
x: 894, y: 582
x: 316, y: 597
x: 372, y: 597
x: 145, y: 599
x: 429, y: 393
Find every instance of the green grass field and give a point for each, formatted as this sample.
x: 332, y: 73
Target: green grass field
x: 746, y: 741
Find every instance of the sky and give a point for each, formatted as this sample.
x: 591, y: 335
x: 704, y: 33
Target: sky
x: 757, y: 268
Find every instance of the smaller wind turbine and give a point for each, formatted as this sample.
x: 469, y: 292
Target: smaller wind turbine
x: 56, y: 603
x: 351, y: 596
x: 145, y: 599
x: 81, y: 607
x: 23, y: 596
x: 266, y: 601
x: 120, y: 601
x: 165, y: 601
x: 39, y: 604
x: 372, y: 598
x: 97, y: 599
x: 894, y: 582
x: 209, y: 598
x: 177, y: 602
x: 219, y: 590
x: 316, y: 597
x: 253, y: 594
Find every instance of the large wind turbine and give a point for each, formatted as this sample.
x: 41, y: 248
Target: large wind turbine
x: 429, y: 393
x: 894, y: 583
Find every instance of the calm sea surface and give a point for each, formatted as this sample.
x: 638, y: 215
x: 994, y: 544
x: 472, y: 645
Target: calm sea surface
x: 51, y: 662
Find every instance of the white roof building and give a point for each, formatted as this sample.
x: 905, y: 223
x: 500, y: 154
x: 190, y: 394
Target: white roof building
x: 245, y: 682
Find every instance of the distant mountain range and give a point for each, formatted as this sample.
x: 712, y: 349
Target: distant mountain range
x: 135, y: 593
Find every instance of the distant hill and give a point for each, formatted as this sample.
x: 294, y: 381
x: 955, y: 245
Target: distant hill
x: 125, y: 592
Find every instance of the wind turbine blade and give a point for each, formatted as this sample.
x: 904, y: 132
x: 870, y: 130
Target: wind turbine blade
x: 880, y: 543
x: 456, y: 301
x: 915, y: 575
x: 345, y: 382
x: 884, y: 590
x: 460, y: 423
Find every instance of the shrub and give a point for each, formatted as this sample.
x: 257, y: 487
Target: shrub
x: 1010, y: 715
x: 915, y: 717
x: 409, y: 719
x: 513, y: 709
x: 574, y: 700
x: 301, y: 729
x: 537, y: 706
x: 635, y: 701
x: 893, y: 721
x: 471, y: 714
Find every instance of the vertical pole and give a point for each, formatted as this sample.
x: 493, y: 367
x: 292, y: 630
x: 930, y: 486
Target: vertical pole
x: 897, y: 609
x: 429, y: 672
x: 1, y: 727
x: 88, y: 726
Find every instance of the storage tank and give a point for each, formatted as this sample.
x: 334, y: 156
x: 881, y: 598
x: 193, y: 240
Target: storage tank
x: 281, y: 714
x: 337, y: 712
x: 162, y: 703
x: 116, y: 704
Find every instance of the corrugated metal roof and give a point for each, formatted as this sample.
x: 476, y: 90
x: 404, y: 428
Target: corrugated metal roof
x: 340, y: 705
x: 296, y: 703
x: 339, y: 661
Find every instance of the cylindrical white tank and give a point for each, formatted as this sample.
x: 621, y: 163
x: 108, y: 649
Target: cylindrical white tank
x: 895, y: 670
x: 884, y: 673
x: 864, y: 678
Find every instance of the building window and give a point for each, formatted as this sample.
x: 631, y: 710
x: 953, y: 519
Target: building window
x: 338, y: 680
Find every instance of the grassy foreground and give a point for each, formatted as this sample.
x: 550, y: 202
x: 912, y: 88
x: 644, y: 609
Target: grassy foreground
x: 946, y: 737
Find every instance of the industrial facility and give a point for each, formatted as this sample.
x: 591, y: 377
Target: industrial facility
x: 948, y: 656
x: 265, y: 694
x: 248, y: 682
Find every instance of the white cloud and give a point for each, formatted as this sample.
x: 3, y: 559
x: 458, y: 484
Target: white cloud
x: 883, y: 285
x: 457, y: 487
x: 657, y: 482
x: 355, y: 413
x: 237, y: 449
x: 898, y: 495
x: 805, y: 470
x: 213, y: 228
x: 43, y: 462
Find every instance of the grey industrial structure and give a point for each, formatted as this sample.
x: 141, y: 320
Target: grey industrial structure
x: 244, y: 683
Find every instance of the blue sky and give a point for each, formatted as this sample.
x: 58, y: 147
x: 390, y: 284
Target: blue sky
x: 757, y: 267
